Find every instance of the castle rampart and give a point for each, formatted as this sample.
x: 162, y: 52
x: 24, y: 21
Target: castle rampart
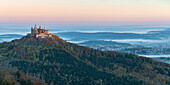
x: 40, y: 33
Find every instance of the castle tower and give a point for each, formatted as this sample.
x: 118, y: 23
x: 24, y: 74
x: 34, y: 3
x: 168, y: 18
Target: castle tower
x: 39, y: 27
x: 35, y: 28
x: 32, y: 30
x: 48, y: 31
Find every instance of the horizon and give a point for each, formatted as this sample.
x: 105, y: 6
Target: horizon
x: 23, y: 29
x: 86, y: 12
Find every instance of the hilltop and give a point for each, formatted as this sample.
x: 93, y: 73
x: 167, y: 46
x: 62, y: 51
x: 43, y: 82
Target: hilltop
x: 56, y: 61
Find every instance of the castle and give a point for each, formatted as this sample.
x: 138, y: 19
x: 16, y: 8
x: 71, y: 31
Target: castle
x: 40, y: 33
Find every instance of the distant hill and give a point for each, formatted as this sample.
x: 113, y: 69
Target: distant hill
x: 107, y: 35
x: 9, y: 37
x: 106, y: 45
x: 58, y: 62
x: 100, y: 42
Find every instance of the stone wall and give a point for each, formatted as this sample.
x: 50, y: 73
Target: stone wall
x: 43, y: 35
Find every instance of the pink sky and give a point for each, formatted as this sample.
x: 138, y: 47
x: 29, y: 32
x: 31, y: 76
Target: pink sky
x: 85, y: 11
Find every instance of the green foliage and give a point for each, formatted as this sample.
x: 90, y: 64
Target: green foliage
x: 59, y: 62
x: 13, y: 76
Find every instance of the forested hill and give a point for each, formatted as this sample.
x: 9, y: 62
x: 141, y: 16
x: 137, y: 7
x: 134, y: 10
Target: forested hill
x: 14, y: 77
x: 58, y: 62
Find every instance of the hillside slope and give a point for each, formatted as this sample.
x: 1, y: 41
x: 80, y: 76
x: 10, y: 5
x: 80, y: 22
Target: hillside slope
x: 14, y: 77
x: 59, y: 62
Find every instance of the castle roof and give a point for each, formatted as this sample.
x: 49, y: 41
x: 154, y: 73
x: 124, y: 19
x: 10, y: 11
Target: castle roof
x: 40, y: 29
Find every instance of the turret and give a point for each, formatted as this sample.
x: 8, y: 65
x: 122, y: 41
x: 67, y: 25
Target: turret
x: 35, y: 28
x: 39, y: 27
x: 48, y: 31
x: 32, y: 30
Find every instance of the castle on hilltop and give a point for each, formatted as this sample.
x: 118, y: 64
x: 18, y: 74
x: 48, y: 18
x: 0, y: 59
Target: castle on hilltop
x: 40, y: 33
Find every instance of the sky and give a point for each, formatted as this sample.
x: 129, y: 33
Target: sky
x: 106, y: 12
